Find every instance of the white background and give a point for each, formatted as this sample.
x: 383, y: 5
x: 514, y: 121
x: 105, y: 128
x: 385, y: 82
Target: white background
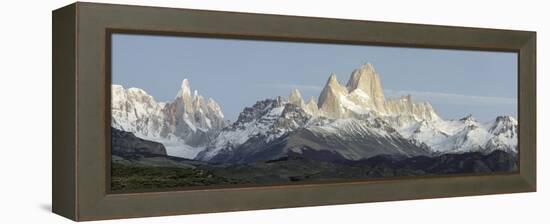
x: 25, y: 72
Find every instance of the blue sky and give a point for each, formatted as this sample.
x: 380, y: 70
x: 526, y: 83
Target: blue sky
x: 237, y: 73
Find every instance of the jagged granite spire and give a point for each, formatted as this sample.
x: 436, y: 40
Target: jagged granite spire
x: 311, y: 106
x: 366, y: 80
x: 330, y: 98
x: 295, y: 98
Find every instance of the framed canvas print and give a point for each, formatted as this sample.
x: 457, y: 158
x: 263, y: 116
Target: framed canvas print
x: 160, y: 111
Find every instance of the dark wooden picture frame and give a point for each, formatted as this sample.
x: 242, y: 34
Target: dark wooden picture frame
x: 81, y: 112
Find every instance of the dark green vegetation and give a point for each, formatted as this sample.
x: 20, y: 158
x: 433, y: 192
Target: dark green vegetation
x: 149, y: 171
x: 136, y: 177
x: 294, y: 168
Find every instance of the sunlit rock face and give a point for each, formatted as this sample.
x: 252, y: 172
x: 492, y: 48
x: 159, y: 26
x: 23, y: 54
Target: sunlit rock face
x: 364, y: 87
x: 330, y: 101
x: 364, y: 94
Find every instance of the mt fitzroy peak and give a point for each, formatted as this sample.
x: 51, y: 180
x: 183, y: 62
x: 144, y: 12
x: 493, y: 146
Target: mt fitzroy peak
x: 353, y: 122
x: 364, y: 94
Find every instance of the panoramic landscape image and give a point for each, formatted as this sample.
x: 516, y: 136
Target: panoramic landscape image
x: 189, y: 112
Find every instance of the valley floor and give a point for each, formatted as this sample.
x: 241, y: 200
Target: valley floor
x: 149, y: 172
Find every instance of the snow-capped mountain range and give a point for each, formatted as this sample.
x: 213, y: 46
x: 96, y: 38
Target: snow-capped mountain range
x: 350, y: 122
x: 184, y: 126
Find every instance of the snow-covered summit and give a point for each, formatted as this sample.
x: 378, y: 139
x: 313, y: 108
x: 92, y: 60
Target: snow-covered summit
x: 465, y: 134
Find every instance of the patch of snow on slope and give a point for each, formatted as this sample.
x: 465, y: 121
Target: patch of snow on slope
x: 351, y: 126
x: 250, y: 129
x: 174, y: 146
x: 350, y: 105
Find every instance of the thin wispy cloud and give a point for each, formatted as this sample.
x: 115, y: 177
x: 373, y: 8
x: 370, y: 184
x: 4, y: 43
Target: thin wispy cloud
x: 433, y: 97
x: 296, y: 86
x: 449, y: 98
